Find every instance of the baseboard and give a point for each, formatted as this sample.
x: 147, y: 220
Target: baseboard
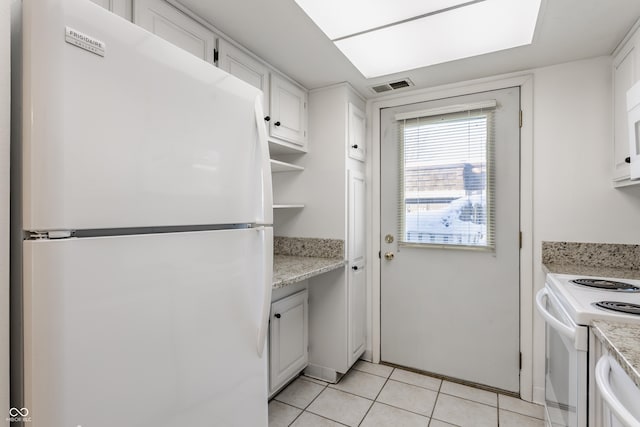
x: 321, y: 373
x: 538, y: 395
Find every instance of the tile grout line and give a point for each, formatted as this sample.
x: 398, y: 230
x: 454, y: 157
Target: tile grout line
x: 433, y: 410
x: 375, y: 399
x: 388, y: 378
x: 309, y: 404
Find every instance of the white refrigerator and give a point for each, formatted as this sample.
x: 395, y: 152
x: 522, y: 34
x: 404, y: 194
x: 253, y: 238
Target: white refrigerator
x: 147, y: 252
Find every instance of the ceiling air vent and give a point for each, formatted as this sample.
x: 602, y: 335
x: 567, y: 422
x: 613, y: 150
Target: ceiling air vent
x: 386, y: 87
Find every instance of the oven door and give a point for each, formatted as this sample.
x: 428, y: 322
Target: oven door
x: 565, y: 364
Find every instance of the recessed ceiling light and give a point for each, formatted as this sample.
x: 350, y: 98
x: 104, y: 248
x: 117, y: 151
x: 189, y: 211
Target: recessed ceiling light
x: 459, y: 32
x: 341, y: 18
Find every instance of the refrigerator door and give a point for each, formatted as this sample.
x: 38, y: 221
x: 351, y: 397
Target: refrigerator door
x: 127, y: 130
x: 152, y: 330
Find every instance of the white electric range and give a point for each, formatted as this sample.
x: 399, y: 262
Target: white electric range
x: 569, y: 304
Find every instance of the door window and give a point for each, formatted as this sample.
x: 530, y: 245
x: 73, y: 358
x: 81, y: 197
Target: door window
x: 446, y: 179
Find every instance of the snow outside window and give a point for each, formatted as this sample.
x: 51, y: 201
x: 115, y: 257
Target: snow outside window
x: 446, y: 180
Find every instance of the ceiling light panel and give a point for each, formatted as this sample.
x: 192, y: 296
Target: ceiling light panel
x: 476, y: 29
x: 341, y: 18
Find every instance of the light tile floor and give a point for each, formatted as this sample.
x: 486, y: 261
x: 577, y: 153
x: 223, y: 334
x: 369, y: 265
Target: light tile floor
x: 371, y: 395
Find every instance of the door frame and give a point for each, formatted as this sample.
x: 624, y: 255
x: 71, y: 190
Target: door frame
x: 525, y: 82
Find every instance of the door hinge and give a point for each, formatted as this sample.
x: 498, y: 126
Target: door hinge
x: 520, y: 239
x: 215, y: 55
x: 379, y: 254
x: 520, y: 118
x: 520, y: 361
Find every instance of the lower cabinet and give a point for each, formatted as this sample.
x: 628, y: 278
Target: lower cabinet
x: 288, y: 339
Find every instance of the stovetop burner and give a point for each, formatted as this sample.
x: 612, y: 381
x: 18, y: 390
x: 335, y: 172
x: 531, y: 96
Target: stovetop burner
x: 621, y: 307
x: 611, y: 285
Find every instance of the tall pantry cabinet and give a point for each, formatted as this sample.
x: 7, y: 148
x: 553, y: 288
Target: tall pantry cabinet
x: 333, y: 191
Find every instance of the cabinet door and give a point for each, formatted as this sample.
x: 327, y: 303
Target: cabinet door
x: 166, y: 21
x: 288, y: 338
x: 623, y: 79
x: 288, y: 111
x: 119, y: 7
x: 357, y: 282
x: 237, y: 63
x: 357, y: 313
x: 356, y: 218
x: 356, y: 133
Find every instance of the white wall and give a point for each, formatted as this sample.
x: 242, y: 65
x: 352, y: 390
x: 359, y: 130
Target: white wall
x: 5, y: 108
x: 573, y: 196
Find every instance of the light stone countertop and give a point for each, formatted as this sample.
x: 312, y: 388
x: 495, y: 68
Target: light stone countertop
x: 623, y: 342
x: 292, y: 269
x: 589, y: 270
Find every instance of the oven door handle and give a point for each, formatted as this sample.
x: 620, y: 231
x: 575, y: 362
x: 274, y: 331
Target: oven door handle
x: 603, y: 367
x: 556, y: 324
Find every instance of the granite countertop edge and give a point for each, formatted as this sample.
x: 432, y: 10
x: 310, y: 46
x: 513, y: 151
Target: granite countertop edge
x: 586, y: 270
x: 623, y: 342
x: 288, y: 270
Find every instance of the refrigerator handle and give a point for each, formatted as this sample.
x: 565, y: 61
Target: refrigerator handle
x: 267, y: 285
x: 263, y: 148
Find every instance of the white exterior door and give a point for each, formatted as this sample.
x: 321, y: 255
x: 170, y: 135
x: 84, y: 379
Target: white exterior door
x: 449, y: 286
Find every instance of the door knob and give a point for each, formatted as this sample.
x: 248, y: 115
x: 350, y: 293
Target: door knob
x: 276, y: 124
x: 277, y: 315
x: 389, y: 256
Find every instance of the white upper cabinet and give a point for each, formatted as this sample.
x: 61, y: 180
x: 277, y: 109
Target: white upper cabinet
x: 236, y: 62
x: 166, y: 21
x: 357, y: 124
x: 623, y: 79
x: 626, y: 72
x: 119, y: 7
x: 288, y: 111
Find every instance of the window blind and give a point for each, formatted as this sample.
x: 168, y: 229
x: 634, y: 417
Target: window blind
x: 447, y: 179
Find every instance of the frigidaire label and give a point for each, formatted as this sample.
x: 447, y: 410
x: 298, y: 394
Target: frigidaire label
x: 84, y: 41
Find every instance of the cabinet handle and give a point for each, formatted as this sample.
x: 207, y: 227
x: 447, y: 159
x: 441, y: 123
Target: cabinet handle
x: 266, y: 119
x: 355, y: 267
x: 276, y: 124
x: 277, y: 315
x: 627, y: 160
x: 355, y: 146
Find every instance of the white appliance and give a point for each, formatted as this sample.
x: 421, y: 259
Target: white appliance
x: 620, y: 394
x: 633, y: 120
x: 147, y: 212
x: 568, y: 305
